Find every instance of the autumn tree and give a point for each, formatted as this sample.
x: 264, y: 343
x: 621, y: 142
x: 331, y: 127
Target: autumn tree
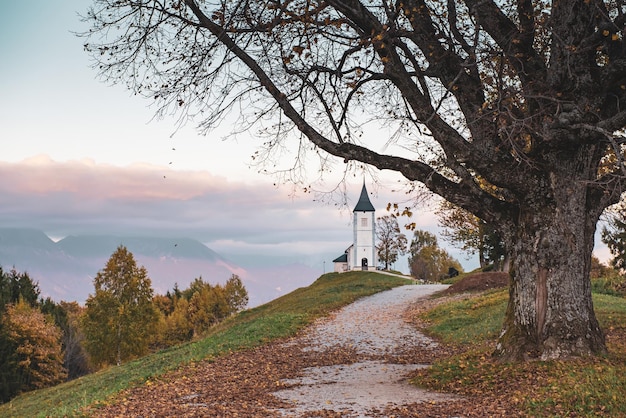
x: 392, y: 242
x: 236, y: 294
x: 119, y: 320
x: 210, y: 304
x: 32, y: 357
x: 191, y: 312
x: 427, y: 261
x: 472, y: 235
x: 176, y: 327
x: 507, y: 109
x: 67, y: 317
x: 14, y: 287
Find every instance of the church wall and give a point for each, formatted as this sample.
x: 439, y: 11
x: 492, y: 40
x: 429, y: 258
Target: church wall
x: 364, y: 240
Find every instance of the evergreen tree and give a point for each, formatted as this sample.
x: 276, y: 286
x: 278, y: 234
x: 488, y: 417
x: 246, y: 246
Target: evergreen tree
x: 15, y: 285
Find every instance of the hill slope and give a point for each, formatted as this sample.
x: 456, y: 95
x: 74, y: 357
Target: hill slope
x: 278, y: 319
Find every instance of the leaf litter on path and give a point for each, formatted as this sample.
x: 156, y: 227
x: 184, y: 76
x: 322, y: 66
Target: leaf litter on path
x: 377, y: 377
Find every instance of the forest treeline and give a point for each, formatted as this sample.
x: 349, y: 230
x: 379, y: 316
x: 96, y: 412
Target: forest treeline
x: 43, y: 342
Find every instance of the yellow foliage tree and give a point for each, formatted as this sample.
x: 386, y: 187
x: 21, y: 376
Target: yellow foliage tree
x: 38, y: 358
x: 120, y: 319
x: 192, y: 312
x: 428, y: 261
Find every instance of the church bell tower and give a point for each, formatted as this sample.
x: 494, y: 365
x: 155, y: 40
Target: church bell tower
x: 363, y: 255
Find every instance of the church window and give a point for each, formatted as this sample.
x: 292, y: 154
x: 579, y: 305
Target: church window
x: 364, y: 222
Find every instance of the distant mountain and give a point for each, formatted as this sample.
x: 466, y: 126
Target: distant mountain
x: 94, y: 245
x: 25, y: 237
x: 65, y: 269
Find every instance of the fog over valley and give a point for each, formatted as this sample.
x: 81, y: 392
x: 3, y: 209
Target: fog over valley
x: 65, y: 269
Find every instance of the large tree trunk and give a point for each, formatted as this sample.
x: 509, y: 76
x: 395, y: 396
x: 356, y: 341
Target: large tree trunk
x: 550, y: 313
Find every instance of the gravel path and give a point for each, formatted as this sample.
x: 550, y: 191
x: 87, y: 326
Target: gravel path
x: 375, y: 330
x: 351, y: 364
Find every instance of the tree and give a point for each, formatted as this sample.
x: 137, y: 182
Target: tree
x: 473, y: 235
x: 236, y: 294
x: 76, y: 360
x: 391, y: 242
x: 195, y: 310
x: 512, y: 110
x: 428, y: 261
x: 120, y: 319
x: 614, y: 236
x: 176, y: 327
x: 207, y: 307
x: 15, y: 286
x: 210, y: 304
x: 422, y: 239
x: 66, y: 316
x: 36, y: 358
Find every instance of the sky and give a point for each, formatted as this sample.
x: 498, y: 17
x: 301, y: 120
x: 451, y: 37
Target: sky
x: 78, y: 156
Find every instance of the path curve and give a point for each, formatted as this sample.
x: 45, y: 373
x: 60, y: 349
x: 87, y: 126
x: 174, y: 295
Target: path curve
x: 375, y: 329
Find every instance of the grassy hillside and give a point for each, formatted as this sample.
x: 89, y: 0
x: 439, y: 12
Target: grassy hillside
x: 280, y: 318
x: 582, y: 387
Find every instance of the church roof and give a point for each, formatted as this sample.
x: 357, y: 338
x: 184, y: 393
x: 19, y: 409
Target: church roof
x: 343, y: 258
x: 364, y: 204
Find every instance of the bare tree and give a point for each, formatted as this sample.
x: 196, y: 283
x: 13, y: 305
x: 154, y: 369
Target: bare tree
x: 512, y: 110
x: 392, y: 243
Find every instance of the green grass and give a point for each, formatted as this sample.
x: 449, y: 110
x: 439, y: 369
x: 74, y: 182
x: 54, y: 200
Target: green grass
x: 280, y: 318
x: 582, y: 388
x: 469, y: 320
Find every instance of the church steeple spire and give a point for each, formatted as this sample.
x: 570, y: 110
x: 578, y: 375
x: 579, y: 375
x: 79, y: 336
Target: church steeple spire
x: 364, y: 204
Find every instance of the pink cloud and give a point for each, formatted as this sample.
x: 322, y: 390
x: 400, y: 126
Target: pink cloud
x: 42, y: 176
x: 85, y: 197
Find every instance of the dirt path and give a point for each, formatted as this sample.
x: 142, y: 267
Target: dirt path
x: 374, y: 327
x: 352, y: 364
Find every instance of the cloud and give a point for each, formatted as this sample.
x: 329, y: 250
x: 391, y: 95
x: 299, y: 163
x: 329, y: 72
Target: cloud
x: 42, y: 176
x: 84, y: 197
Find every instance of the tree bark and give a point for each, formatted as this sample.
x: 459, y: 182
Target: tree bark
x: 550, y: 310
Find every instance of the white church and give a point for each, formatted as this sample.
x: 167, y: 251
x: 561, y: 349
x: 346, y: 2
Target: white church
x: 361, y: 255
